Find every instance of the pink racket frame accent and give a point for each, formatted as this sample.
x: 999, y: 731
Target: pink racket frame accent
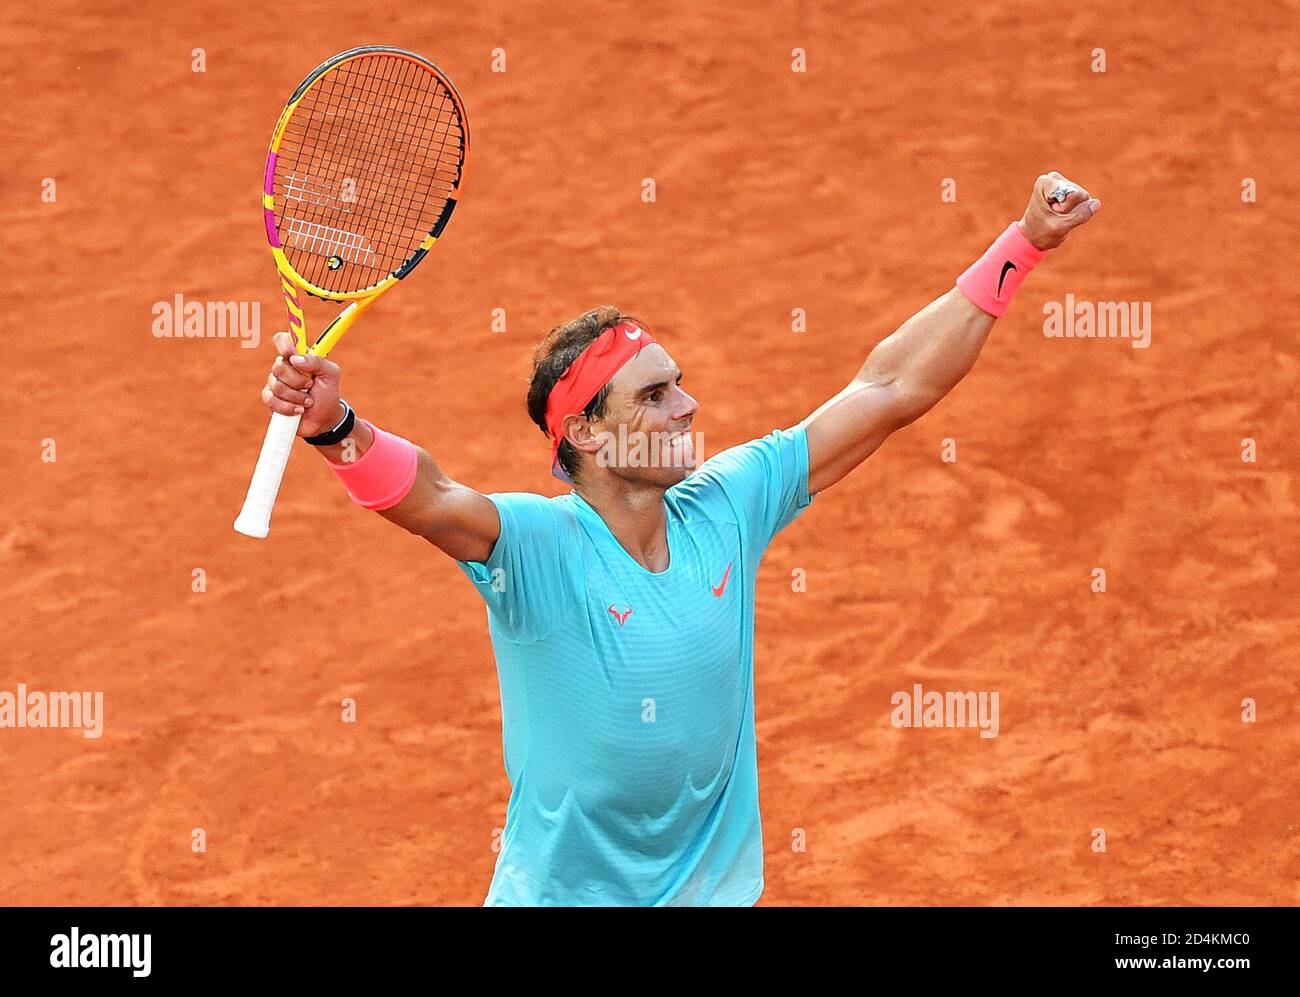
x: 268, y: 185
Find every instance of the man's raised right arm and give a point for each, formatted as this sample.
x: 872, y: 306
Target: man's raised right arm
x: 457, y: 519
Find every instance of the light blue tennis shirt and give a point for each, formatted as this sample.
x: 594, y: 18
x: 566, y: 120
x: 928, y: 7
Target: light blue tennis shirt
x: 627, y: 696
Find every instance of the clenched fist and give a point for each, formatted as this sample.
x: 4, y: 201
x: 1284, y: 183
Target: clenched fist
x: 1046, y: 223
x: 306, y: 386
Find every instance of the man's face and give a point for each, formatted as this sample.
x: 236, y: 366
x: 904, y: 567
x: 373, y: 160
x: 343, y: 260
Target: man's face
x: 645, y: 433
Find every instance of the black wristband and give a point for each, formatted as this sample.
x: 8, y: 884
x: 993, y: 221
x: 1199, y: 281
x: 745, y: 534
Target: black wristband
x: 339, y: 433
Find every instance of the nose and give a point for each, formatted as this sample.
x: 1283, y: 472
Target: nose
x: 686, y: 407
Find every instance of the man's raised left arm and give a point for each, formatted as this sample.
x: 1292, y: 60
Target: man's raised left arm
x: 909, y: 371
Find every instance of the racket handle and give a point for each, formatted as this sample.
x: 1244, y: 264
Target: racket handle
x: 255, y: 518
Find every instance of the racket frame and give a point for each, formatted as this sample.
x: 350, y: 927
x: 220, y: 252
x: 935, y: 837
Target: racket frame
x: 290, y: 279
x: 255, y: 517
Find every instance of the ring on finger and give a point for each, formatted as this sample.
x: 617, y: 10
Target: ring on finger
x: 1060, y: 192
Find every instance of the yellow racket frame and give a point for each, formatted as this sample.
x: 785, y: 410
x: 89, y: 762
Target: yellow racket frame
x: 290, y: 280
x: 254, y: 518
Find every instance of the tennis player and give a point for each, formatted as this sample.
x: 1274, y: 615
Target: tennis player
x: 622, y: 613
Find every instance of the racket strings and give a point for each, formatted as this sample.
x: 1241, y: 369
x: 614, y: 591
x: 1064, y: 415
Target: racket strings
x: 362, y: 139
x: 411, y: 198
x: 364, y: 147
x: 386, y: 92
x: 366, y: 165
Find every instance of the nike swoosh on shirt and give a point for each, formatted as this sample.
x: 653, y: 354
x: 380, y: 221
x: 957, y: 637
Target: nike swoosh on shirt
x: 722, y: 585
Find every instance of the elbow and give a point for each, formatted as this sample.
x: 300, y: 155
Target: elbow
x: 423, y: 509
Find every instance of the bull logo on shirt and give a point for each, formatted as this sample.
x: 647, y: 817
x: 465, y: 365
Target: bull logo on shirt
x: 621, y: 617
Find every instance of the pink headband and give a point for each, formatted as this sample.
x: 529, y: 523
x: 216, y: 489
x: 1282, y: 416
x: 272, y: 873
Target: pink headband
x: 592, y: 370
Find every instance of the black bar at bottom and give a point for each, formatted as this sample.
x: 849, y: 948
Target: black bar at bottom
x: 1018, y: 944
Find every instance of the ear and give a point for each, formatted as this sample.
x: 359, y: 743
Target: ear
x: 582, y: 435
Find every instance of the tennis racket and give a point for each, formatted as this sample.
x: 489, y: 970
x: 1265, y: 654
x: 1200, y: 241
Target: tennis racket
x: 365, y: 167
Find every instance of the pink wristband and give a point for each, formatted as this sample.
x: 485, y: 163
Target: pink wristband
x: 992, y: 280
x: 383, y: 475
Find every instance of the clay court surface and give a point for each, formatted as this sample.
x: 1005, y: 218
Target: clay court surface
x: 776, y: 190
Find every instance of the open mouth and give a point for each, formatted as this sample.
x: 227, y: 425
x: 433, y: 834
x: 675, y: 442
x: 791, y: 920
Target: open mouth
x: 681, y: 447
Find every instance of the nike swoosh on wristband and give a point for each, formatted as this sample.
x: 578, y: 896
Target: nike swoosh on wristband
x: 722, y: 585
x: 1005, y: 267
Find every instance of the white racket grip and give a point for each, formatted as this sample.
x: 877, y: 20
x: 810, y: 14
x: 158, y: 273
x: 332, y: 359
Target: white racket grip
x: 255, y: 518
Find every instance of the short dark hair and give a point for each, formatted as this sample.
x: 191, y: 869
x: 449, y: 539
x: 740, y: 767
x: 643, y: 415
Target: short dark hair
x: 555, y: 354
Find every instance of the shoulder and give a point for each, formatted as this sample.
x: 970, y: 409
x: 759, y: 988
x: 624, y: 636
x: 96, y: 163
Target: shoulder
x: 529, y: 508
x: 533, y: 524
x: 780, y: 446
x: 782, y: 452
x: 761, y: 486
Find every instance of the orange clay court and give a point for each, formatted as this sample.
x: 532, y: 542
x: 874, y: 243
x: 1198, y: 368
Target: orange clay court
x: 776, y: 191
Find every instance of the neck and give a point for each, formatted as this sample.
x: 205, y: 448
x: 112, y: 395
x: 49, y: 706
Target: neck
x: 634, y: 513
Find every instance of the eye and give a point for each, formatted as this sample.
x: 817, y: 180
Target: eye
x: 657, y: 395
